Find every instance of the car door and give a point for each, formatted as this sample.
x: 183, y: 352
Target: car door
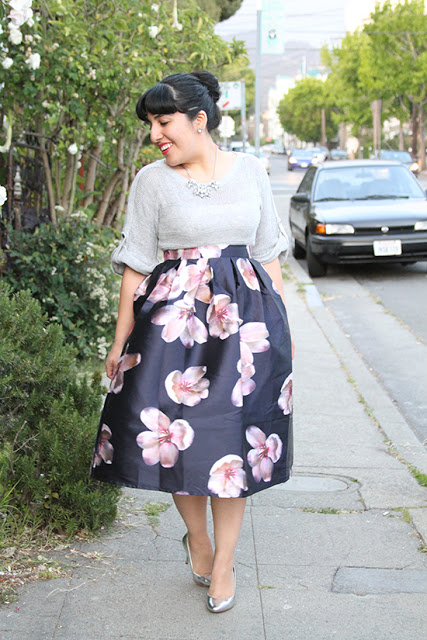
x: 300, y: 206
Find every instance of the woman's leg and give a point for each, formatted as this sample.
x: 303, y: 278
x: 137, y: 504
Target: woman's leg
x: 227, y: 516
x: 193, y: 511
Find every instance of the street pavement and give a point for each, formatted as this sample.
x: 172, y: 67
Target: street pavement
x: 333, y: 553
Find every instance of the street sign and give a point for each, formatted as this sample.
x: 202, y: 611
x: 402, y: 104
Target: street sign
x: 273, y: 27
x: 226, y: 128
x: 231, y: 96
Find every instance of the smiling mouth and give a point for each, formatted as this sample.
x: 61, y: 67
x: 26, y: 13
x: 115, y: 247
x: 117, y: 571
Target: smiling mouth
x: 164, y: 148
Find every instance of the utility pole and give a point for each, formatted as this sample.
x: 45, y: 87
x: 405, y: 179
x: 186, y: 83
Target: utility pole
x: 258, y: 76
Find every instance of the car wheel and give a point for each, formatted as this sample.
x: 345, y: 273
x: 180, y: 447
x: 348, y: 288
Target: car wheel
x: 297, y: 250
x: 316, y: 269
x: 289, y: 168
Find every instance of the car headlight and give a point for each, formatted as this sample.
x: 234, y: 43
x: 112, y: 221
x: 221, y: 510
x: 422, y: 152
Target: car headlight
x: 414, y: 166
x: 331, y: 229
x: 421, y: 225
x: 315, y: 160
x: 292, y: 159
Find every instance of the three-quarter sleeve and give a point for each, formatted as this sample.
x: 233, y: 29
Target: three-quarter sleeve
x: 271, y: 239
x: 139, y: 244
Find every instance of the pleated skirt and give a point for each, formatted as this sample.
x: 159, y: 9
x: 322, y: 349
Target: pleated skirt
x: 201, y: 400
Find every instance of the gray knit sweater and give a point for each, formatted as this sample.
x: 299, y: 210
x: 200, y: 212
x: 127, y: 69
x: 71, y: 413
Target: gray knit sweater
x: 163, y: 213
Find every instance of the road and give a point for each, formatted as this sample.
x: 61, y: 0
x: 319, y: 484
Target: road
x: 383, y: 311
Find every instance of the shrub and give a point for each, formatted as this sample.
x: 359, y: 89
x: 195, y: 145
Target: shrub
x: 48, y: 420
x: 67, y: 269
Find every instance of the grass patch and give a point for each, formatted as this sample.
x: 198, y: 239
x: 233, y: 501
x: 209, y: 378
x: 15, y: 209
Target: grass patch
x: 266, y: 586
x: 327, y: 510
x: 406, y: 516
x: 152, y: 511
x: 421, y: 478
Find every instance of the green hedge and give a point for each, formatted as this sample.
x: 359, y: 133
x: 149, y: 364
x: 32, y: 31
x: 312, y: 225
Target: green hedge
x: 67, y: 269
x: 48, y: 420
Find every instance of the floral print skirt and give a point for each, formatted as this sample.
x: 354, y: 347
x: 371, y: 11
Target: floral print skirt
x: 201, y: 400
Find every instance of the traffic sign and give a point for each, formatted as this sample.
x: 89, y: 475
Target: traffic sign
x: 231, y: 96
x: 226, y: 128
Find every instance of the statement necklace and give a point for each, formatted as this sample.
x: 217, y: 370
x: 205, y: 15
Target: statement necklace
x: 202, y: 189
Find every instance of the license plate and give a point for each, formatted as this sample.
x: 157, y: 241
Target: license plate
x: 387, y: 247
x: 304, y: 165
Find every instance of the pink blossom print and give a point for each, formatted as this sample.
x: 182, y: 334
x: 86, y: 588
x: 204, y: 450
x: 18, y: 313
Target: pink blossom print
x: 223, y: 317
x: 265, y: 453
x: 126, y: 362
x: 164, y: 439
x: 285, y: 400
x: 195, y: 279
x: 180, y: 321
x: 227, y: 479
x: 212, y: 250
x: 248, y: 274
x: 253, y: 339
x: 187, y: 388
x: 167, y: 287
x: 105, y: 450
x: 142, y: 288
x: 245, y: 385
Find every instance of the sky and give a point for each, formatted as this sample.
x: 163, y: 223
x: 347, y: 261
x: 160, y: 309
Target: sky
x: 315, y: 21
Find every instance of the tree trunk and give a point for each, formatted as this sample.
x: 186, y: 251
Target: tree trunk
x: 106, y: 197
x: 414, y: 122
x: 48, y: 175
x: 422, y: 140
x: 323, y: 127
x: 91, y: 172
x: 342, y: 135
x: 401, y: 140
x: 68, y: 181
x: 74, y: 184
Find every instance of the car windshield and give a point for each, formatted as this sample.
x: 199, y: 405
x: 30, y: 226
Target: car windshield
x: 303, y: 153
x: 400, y: 156
x: 366, y: 183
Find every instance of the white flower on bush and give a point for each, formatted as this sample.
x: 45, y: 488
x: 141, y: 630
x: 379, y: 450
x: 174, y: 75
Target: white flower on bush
x: 73, y: 149
x: 21, y: 12
x: 7, y: 63
x: 15, y: 36
x: 33, y: 61
x: 153, y: 31
x: 3, y: 195
x: 155, y: 8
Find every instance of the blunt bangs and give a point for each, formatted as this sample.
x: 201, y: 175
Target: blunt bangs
x: 159, y: 99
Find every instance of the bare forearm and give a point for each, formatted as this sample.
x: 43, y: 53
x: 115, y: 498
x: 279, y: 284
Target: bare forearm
x: 125, y: 320
x: 274, y: 271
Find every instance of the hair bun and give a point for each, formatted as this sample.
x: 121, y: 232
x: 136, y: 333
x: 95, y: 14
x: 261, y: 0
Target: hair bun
x: 209, y: 81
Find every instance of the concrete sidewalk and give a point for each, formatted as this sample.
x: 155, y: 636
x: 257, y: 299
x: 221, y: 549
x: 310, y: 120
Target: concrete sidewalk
x: 334, y: 553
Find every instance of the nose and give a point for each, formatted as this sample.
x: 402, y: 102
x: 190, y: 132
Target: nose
x: 155, y: 133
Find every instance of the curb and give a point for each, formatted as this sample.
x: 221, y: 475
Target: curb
x: 396, y: 430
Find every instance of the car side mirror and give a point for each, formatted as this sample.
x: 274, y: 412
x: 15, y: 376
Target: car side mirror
x: 301, y: 197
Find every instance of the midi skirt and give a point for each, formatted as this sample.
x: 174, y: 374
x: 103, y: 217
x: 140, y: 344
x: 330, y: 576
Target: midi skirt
x: 201, y: 400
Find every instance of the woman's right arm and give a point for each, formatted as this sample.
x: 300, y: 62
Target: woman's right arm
x: 125, y: 320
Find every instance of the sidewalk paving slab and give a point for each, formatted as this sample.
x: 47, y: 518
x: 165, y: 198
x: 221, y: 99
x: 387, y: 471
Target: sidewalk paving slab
x: 132, y: 582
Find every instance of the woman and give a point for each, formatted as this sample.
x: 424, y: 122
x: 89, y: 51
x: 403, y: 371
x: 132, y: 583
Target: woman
x: 200, y: 401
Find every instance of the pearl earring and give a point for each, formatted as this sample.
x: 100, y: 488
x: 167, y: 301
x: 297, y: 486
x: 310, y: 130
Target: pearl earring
x: 200, y: 130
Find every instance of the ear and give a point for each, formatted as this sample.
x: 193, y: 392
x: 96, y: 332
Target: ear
x: 201, y: 120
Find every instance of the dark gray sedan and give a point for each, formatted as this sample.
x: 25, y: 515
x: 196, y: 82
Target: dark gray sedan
x: 358, y: 211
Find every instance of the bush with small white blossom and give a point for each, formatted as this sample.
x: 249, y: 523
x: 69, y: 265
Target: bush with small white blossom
x: 67, y: 268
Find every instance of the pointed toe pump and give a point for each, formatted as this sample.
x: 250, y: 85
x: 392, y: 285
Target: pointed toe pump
x: 202, y: 581
x: 216, y: 605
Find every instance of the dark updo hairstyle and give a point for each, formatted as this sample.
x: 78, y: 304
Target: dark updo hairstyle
x: 187, y: 93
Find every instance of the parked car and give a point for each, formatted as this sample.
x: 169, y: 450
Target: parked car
x: 338, y: 154
x: 358, y: 211
x: 401, y: 156
x: 302, y: 159
x: 265, y: 160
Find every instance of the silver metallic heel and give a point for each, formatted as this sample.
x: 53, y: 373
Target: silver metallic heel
x: 202, y: 581
x: 216, y: 605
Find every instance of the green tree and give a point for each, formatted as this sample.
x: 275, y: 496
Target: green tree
x: 395, y: 64
x: 300, y: 110
x: 220, y: 10
x: 345, y: 86
x: 75, y: 77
